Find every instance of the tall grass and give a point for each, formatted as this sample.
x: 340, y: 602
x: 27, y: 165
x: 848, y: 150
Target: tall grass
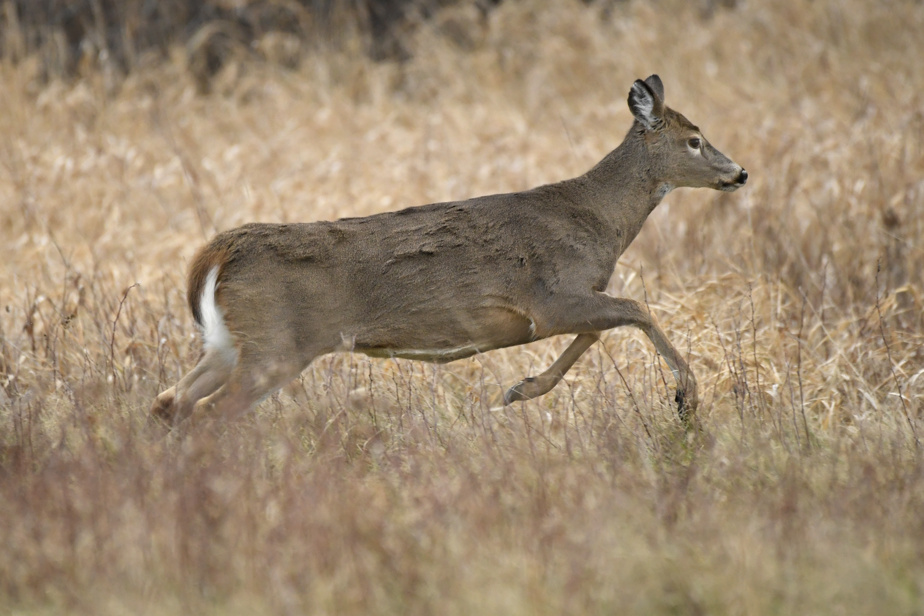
x: 371, y: 486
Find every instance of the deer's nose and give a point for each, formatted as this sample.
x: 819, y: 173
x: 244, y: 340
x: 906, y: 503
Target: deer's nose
x: 743, y: 176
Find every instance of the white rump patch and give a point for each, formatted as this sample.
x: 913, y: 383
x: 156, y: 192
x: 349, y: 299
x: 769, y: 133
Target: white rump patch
x: 214, y: 331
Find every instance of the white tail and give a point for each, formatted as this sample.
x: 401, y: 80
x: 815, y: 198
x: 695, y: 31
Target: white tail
x: 215, y: 334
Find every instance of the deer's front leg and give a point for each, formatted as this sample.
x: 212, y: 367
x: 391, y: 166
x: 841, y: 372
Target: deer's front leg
x: 592, y: 314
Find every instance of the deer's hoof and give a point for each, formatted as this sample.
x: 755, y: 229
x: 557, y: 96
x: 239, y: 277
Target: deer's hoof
x: 163, y: 407
x: 524, y: 390
x: 513, y: 395
x: 686, y: 405
x: 680, y: 399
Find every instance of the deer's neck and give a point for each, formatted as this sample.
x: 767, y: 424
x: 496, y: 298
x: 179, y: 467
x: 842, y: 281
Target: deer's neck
x: 625, y: 187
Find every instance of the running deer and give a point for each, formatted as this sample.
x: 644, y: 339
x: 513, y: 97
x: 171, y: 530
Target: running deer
x: 444, y: 281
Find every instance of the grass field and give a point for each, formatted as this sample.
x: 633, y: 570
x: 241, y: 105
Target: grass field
x: 394, y: 487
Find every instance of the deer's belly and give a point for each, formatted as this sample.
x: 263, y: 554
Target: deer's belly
x: 445, y: 339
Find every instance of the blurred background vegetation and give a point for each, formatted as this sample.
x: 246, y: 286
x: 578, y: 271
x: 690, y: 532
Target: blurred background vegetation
x: 74, y: 37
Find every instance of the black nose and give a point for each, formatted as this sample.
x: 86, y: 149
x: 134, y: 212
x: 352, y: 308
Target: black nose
x: 743, y: 176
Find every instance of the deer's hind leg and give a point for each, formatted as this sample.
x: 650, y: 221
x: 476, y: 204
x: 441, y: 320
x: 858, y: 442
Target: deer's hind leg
x: 213, y: 370
x: 255, y: 376
x: 533, y: 386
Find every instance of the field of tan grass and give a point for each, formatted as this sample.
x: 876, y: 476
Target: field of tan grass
x: 394, y: 487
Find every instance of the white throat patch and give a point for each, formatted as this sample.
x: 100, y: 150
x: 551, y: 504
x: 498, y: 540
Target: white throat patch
x: 662, y: 191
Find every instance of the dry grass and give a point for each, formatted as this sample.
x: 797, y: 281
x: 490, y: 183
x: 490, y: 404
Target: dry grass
x: 393, y: 487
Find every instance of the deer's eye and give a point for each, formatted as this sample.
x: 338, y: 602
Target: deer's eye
x: 695, y: 143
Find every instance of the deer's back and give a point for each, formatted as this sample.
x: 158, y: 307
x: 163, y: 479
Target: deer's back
x: 439, y: 276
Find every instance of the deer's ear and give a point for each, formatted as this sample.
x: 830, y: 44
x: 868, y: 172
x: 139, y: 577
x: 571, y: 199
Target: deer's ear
x: 646, y: 105
x: 654, y: 82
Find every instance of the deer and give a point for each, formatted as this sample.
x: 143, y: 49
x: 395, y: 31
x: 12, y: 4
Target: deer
x: 444, y: 281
